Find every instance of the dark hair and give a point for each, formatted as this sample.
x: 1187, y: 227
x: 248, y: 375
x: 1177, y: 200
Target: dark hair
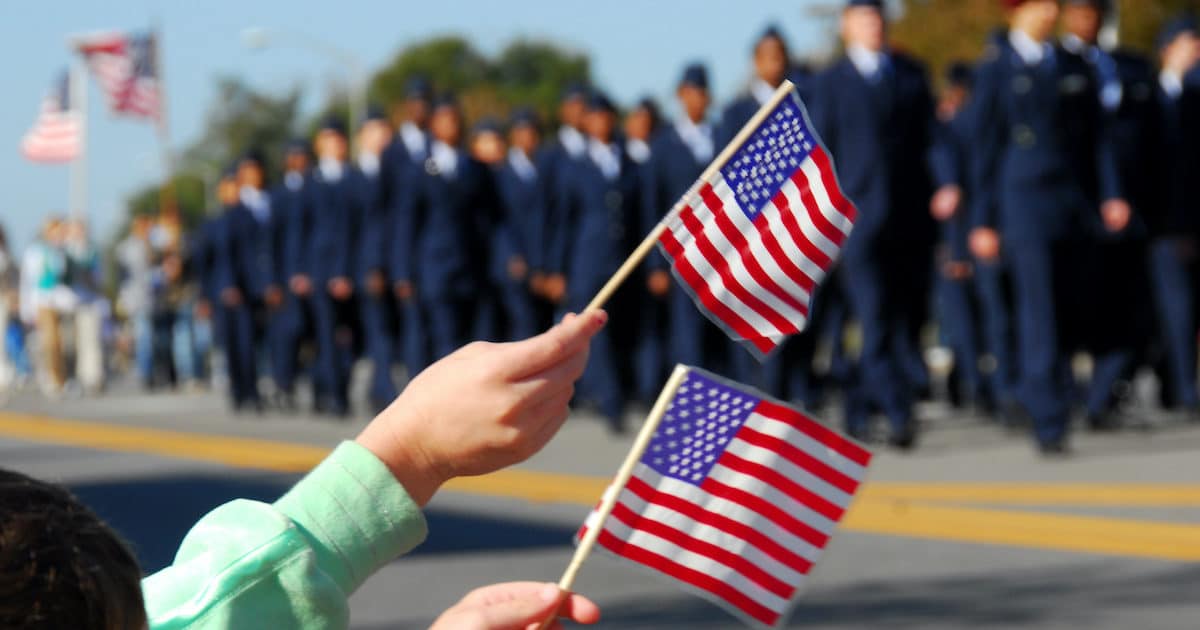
x: 60, y: 565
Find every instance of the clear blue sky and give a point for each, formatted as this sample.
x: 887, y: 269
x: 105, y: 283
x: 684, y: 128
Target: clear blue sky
x: 637, y: 47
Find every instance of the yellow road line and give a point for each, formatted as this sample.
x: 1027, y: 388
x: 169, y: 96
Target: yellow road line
x: 1075, y: 494
x: 900, y: 509
x: 1087, y: 534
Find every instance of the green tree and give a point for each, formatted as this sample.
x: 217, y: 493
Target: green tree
x: 524, y: 73
x: 942, y: 31
x: 243, y: 118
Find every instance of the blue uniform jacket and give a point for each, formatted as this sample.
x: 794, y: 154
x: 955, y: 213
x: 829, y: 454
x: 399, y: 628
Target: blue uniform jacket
x: 948, y: 166
x: 442, y: 227
x: 668, y: 175
x: 523, y: 215
x: 288, y: 205
x: 375, y: 226
x: 1042, y: 157
x: 595, y: 236
x: 333, y: 214
x: 879, y: 135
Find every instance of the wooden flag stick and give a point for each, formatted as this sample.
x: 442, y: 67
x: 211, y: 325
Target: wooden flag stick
x: 639, y: 254
x: 588, y: 542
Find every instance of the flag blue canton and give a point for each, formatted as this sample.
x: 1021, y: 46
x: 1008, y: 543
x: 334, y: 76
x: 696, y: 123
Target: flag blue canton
x: 702, y: 418
x: 773, y: 152
x: 142, y: 54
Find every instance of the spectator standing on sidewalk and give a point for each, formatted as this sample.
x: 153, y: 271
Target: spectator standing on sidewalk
x: 134, y: 298
x: 82, y: 277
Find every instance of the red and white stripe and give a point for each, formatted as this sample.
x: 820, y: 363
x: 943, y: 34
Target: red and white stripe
x: 756, y: 278
x: 749, y: 534
x: 55, y: 136
x: 110, y: 58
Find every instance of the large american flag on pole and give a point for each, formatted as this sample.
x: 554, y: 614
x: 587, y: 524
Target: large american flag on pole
x: 55, y: 135
x: 735, y: 496
x: 753, y: 240
x: 125, y: 65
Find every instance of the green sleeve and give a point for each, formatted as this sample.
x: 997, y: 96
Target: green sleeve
x: 293, y: 564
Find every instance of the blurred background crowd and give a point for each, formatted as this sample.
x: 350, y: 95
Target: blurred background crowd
x: 1026, y: 245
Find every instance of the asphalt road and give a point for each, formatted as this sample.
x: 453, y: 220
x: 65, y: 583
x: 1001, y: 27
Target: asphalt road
x: 973, y: 530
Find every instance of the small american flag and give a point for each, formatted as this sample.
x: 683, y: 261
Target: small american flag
x: 126, y: 67
x: 751, y: 242
x: 55, y: 136
x: 735, y: 496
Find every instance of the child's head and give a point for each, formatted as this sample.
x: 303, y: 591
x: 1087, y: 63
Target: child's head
x: 60, y: 565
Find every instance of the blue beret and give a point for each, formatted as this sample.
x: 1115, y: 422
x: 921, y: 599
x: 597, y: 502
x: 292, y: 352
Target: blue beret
x: 296, y: 145
x: 771, y: 32
x: 599, y: 102
x: 445, y: 99
x: 253, y: 154
x: 573, y: 90
x: 1176, y: 26
x: 650, y: 106
x: 524, y: 117
x: 695, y: 75
x: 487, y: 124
x: 374, y: 112
x: 334, y: 123
x: 875, y: 4
x: 418, y: 87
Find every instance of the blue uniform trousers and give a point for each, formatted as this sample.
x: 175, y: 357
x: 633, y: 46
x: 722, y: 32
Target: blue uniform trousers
x: 992, y: 285
x: 335, y: 345
x: 650, y: 355
x: 379, y: 330
x: 871, y: 280
x: 237, y: 334
x: 520, y: 311
x: 452, y: 322
x: 1174, y: 287
x: 1117, y: 317
x: 959, y: 316
x: 1046, y: 279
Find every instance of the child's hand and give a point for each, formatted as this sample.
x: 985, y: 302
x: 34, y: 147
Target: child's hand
x: 515, y: 606
x: 485, y: 407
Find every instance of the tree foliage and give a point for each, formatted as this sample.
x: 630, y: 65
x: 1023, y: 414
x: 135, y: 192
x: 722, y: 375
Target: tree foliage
x: 526, y: 72
x: 942, y: 31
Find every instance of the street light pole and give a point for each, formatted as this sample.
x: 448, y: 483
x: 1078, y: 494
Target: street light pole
x: 259, y: 38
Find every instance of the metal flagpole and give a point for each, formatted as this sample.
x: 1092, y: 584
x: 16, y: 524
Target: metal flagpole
x: 167, y: 200
x: 77, y: 92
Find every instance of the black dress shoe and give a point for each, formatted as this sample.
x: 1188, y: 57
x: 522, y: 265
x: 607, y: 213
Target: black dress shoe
x: 905, y: 440
x: 1054, y: 449
x: 1103, y: 422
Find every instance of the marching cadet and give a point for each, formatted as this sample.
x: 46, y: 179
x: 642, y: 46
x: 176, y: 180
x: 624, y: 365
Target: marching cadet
x: 1043, y: 174
x: 1119, y: 277
x: 650, y: 352
x: 1172, y: 221
x: 680, y: 154
x: 599, y: 198
x: 376, y: 304
x: 874, y: 111
x: 408, y: 150
x: 567, y: 147
x: 291, y: 322
x: 516, y: 241
x: 771, y: 67
x: 331, y: 257
x: 959, y: 313
x: 486, y: 146
x: 238, y: 278
x: 440, y: 245
x: 211, y: 269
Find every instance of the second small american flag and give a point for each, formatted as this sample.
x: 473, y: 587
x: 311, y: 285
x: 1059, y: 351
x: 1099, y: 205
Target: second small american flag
x: 735, y: 496
x: 752, y: 242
